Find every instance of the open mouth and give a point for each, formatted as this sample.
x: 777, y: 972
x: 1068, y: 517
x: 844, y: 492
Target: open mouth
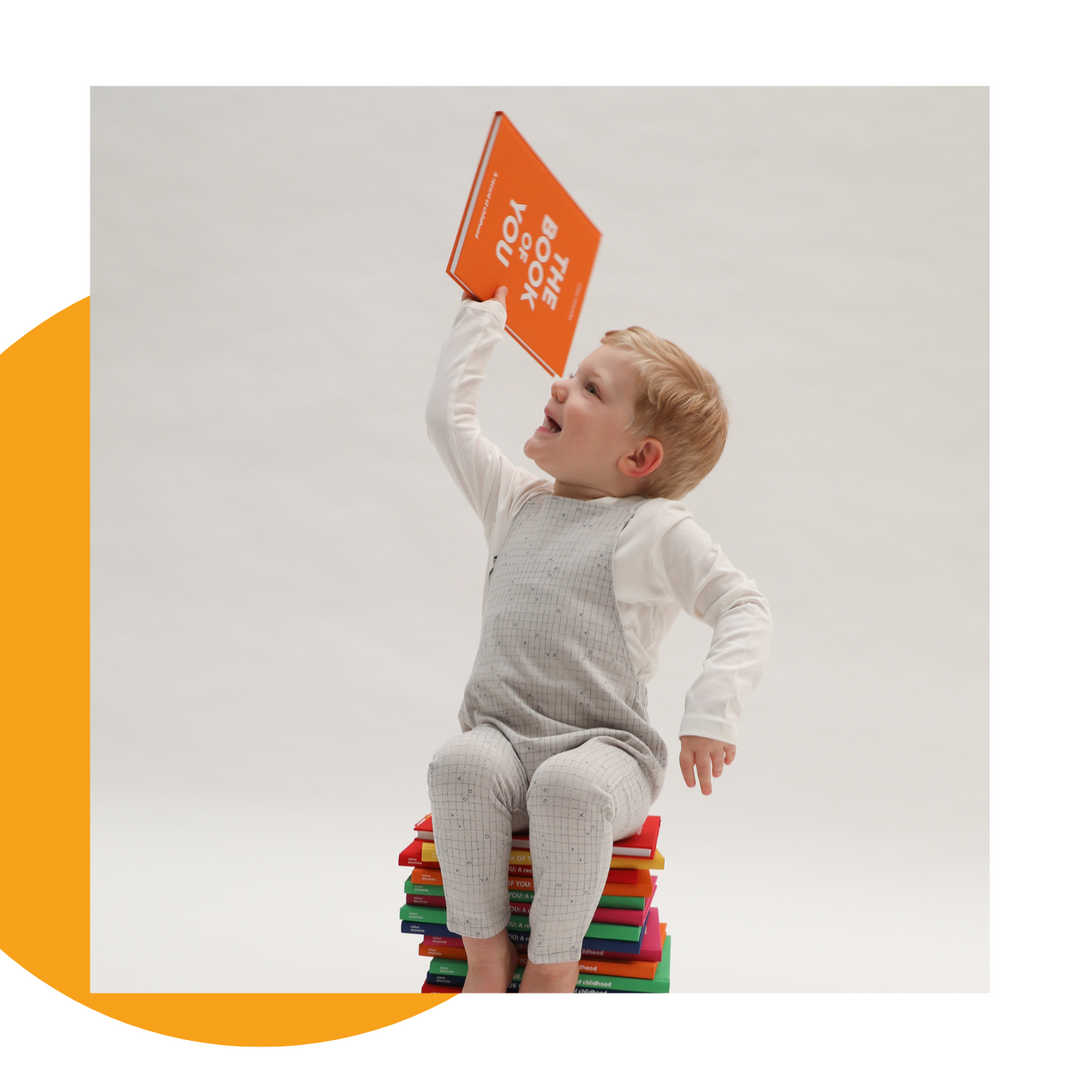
x: 550, y: 424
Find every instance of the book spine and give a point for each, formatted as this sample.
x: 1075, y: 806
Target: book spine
x: 585, y: 982
x: 625, y: 903
x: 422, y: 888
x: 524, y: 858
x: 442, y: 952
x: 629, y: 969
x: 591, y: 947
x: 620, y: 881
x: 428, y: 988
x: 520, y: 923
x: 466, y: 221
x: 521, y: 843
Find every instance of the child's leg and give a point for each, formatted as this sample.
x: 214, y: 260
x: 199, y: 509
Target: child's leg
x: 477, y: 787
x: 579, y: 802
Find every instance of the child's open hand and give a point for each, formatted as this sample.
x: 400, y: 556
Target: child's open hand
x: 709, y: 755
x: 500, y: 295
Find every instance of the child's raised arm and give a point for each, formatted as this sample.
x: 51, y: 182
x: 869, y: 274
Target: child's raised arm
x: 487, y: 478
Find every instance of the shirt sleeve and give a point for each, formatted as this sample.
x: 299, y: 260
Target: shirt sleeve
x: 492, y: 483
x: 689, y: 566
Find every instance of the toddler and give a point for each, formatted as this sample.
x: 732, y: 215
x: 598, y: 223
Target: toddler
x: 585, y: 576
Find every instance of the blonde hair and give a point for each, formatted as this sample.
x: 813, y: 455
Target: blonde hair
x: 678, y: 403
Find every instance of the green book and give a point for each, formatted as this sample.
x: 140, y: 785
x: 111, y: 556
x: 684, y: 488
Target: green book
x: 661, y: 984
x: 520, y: 923
x: 423, y: 890
x: 628, y: 903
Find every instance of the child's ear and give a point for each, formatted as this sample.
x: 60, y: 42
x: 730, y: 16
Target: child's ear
x: 642, y: 461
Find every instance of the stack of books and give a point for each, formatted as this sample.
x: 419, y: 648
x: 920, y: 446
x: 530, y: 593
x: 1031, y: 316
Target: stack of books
x: 626, y: 948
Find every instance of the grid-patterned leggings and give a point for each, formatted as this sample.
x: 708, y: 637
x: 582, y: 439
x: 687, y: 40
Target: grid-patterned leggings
x: 577, y: 803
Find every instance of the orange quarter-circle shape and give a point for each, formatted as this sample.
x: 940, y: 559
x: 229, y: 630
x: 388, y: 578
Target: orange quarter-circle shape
x: 45, y: 720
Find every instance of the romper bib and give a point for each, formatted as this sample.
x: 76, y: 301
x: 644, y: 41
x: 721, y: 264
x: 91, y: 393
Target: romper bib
x: 553, y: 669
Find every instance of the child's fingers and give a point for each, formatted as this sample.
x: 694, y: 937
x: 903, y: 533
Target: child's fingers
x: 729, y: 753
x: 704, y: 760
x: 686, y: 764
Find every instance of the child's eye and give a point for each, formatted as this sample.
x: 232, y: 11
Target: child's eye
x: 592, y: 389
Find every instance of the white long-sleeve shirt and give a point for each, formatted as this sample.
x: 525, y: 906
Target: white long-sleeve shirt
x: 663, y: 560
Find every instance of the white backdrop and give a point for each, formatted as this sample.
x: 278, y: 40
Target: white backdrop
x: 285, y: 584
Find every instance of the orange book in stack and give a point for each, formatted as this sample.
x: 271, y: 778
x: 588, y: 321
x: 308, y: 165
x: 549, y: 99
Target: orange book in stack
x: 521, y: 229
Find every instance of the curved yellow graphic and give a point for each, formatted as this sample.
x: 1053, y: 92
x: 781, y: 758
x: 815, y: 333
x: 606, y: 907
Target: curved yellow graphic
x: 44, y: 719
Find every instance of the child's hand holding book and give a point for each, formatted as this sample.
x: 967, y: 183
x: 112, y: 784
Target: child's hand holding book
x: 500, y: 295
x: 709, y: 755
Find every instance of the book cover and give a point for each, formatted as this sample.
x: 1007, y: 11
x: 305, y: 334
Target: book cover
x: 521, y: 229
x: 640, y: 844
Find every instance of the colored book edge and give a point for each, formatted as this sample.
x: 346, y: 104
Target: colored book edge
x: 629, y: 968
x: 416, y: 894
x: 641, y: 844
x: 659, y: 984
x: 429, y: 858
x: 621, y: 882
x: 648, y: 947
x: 605, y: 930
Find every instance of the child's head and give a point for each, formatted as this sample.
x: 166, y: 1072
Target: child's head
x: 639, y: 416
x: 680, y: 404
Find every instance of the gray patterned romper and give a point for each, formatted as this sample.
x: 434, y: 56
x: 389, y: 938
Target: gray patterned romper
x: 555, y: 733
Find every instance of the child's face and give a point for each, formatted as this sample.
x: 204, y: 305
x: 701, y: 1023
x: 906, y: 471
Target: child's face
x: 586, y: 429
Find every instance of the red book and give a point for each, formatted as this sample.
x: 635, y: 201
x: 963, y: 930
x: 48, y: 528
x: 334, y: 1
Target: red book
x: 642, y: 843
x: 413, y: 856
x: 521, y: 229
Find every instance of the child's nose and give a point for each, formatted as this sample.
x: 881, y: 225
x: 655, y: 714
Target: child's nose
x: 558, y: 390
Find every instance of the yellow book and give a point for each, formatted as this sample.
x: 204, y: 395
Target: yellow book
x: 524, y: 858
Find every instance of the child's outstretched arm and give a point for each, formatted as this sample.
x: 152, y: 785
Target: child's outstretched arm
x: 687, y: 566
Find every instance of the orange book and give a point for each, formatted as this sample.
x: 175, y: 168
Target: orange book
x: 521, y: 229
